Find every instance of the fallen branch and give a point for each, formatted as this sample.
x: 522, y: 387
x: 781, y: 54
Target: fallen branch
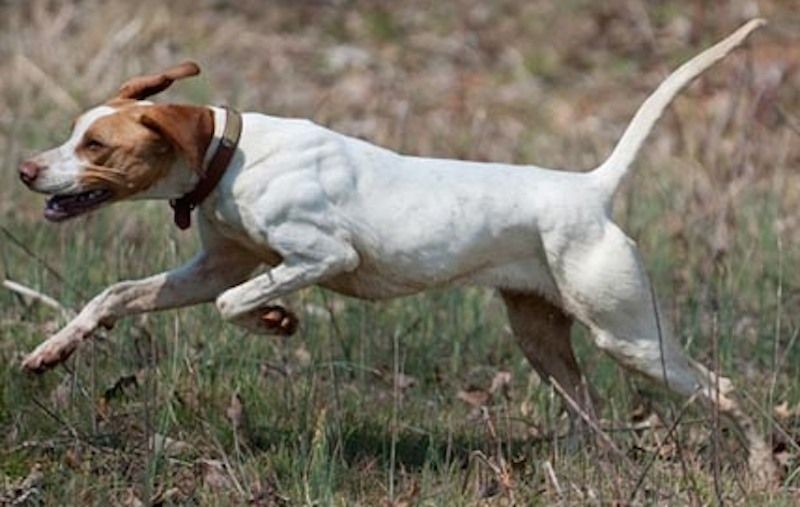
x: 38, y: 297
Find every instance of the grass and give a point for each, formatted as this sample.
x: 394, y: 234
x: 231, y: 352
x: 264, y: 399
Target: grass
x: 389, y: 403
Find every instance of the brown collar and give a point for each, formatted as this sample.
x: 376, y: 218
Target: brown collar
x: 184, y: 205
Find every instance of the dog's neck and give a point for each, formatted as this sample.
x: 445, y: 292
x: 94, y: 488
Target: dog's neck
x: 220, y: 120
x: 220, y: 151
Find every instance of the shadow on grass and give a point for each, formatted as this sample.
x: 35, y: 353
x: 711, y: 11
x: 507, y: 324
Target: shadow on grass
x: 372, y: 442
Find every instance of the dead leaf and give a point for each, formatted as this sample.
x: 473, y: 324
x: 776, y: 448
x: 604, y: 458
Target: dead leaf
x: 269, y: 369
x: 27, y: 492
x: 784, y: 458
x: 784, y: 412
x: 130, y: 499
x: 214, y: 474
x: 73, y: 458
x: 534, y: 380
x: 406, y: 498
x: 60, y: 396
x: 264, y: 493
x: 302, y: 356
x: 501, y: 382
x: 186, y: 481
x: 474, y: 397
x: 235, y: 411
x: 170, y: 497
x: 34, y: 478
x: 103, y: 409
x: 190, y: 397
x: 526, y: 408
x: 403, y: 382
x: 169, y: 447
x: 12, y: 435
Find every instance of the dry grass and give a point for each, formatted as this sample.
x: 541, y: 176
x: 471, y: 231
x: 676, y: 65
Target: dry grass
x: 375, y: 404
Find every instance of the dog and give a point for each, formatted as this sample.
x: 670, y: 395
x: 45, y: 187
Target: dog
x: 321, y: 208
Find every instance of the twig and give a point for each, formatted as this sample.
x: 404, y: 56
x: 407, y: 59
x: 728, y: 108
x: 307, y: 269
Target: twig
x: 715, y: 412
x: 500, y: 470
x: 395, y: 403
x: 788, y: 348
x: 72, y: 430
x: 593, y: 425
x: 334, y: 332
x: 22, y: 246
x: 776, y: 337
x: 671, y: 430
x: 551, y: 474
x: 39, y: 297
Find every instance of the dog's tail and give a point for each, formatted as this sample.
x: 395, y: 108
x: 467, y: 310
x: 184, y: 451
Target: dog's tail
x: 609, y: 174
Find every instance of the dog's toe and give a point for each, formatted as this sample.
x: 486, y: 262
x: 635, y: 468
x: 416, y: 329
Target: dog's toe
x: 279, y: 320
x: 49, y: 354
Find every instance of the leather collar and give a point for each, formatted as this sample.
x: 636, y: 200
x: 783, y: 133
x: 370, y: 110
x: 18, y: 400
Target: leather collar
x: 216, y: 168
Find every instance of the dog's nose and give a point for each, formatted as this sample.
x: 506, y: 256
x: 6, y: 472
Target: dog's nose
x: 29, y: 171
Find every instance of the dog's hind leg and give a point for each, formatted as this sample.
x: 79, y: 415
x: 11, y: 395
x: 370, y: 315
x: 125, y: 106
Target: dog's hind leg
x: 607, y: 288
x: 543, y: 333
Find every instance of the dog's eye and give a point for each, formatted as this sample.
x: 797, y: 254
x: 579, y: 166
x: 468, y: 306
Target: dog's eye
x: 94, y: 145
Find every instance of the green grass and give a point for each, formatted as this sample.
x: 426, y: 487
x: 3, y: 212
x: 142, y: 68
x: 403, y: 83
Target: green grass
x: 322, y: 422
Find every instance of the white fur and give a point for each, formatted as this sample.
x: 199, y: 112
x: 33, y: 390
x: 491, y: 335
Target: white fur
x: 63, y: 164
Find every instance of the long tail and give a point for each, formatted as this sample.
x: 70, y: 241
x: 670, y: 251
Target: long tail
x: 609, y: 174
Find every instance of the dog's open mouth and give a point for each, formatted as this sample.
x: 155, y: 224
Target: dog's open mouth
x: 62, y: 207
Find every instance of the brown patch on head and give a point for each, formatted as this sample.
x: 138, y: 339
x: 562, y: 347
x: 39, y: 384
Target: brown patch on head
x: 188, y: 128
x: 128, y: 151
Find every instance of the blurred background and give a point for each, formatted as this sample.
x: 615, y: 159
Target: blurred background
x: 451, y: 414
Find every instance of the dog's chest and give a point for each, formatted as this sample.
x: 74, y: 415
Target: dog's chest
x: 233, y: 230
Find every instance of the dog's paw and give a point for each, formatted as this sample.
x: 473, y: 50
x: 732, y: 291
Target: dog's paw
x: 279, y: 320
x: 49, y: 354
x: 55, y: 350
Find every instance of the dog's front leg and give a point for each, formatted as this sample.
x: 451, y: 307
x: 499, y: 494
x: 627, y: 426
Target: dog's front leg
x: 320, y: 258
x: 200, y: 280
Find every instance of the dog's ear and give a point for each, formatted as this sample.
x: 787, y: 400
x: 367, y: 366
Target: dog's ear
x: 188, y: 129
x: 141, y: 87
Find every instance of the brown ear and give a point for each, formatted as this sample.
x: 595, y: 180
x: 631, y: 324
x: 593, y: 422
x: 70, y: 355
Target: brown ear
x: 144, y: 86
x: 188, y: 129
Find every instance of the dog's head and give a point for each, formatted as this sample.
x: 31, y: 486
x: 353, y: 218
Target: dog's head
x: 125, y: 148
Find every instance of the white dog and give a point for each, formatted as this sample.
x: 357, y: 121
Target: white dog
x: 323, y: 208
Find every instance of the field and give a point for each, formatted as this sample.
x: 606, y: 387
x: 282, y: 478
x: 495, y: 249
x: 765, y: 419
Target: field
x: 424, y: 400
